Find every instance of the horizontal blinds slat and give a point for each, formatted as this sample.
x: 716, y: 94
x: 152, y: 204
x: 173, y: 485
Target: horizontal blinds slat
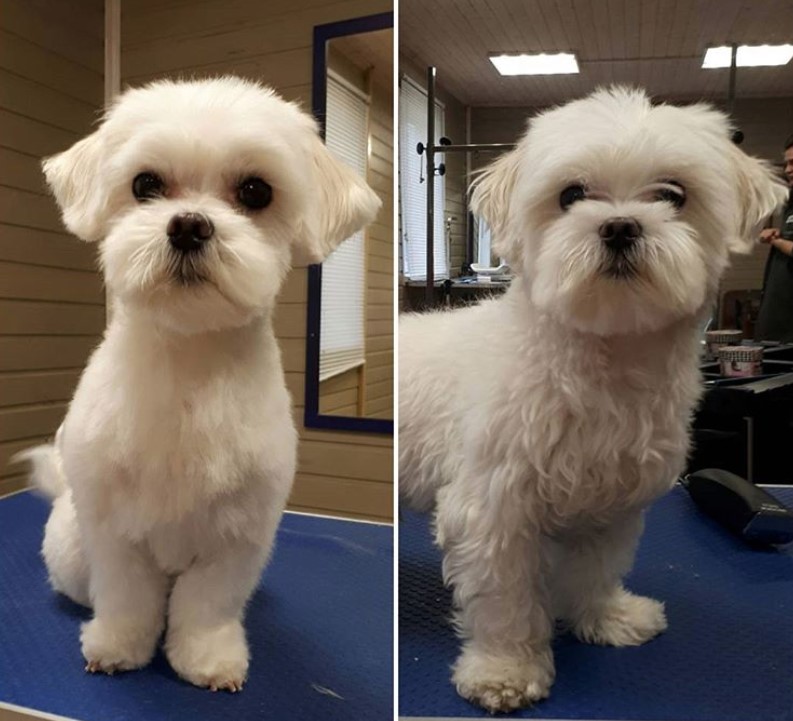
x: 332, y: 363
x: 343, y: 282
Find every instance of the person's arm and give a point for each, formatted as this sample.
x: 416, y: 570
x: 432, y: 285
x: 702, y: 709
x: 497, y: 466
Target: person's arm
x: 772, y: 237
x: 782, y: 245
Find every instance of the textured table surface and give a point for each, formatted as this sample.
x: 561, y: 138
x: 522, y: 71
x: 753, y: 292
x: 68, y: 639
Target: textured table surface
x: 319, y: 627
x: 727, y: 655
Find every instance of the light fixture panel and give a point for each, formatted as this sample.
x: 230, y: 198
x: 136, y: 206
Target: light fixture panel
x: 748, y: 56
x: 542, y: 64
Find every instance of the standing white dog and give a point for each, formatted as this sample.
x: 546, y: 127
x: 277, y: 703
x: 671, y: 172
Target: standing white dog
x: 175, y: 460
x: 542, y: 424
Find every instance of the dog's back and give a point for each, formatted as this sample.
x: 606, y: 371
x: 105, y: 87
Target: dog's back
x: 440, y: 367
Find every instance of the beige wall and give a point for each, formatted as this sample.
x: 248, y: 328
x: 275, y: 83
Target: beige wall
x: 51, y: 299
x: 338, y: 472
x: 340, y: 395
x: 766, y: 122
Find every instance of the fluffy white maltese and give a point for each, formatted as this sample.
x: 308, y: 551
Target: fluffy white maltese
x: 173, y: 465
x: 541, y: 424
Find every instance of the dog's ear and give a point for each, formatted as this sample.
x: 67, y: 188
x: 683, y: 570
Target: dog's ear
x: 344, y: 203
x: 491, y: 197
x: 75, y: 177
x: 759, y: 192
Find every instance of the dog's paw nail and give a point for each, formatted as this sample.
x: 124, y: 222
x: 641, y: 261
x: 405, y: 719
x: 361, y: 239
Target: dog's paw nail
x: 97, y: 667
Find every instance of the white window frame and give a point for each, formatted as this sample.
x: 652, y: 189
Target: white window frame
x: 412, y: 192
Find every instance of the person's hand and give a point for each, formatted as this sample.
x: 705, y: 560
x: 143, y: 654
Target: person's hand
x: 767, y: 235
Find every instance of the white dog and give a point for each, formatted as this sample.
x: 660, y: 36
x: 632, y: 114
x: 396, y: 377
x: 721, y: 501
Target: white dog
x: 542, y: 424
x: 175, y: 460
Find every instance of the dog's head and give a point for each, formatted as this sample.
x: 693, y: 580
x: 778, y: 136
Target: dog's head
x: 203, y: 194
x: 619, y: 214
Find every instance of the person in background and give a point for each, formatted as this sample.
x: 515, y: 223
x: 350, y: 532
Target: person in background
x: 775, y: 319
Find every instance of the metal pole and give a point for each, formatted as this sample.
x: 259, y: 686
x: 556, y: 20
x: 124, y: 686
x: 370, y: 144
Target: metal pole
x: 749, y: 449
x: 733, y: 71
x: 429, y: 290
x: 474, y: 148
x: 469, y: 231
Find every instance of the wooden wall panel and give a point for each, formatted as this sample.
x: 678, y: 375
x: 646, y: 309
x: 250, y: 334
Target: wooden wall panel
x: 379, y: 393
x: 338, y: 395
x: 52, y: 309
x: 339, y: 472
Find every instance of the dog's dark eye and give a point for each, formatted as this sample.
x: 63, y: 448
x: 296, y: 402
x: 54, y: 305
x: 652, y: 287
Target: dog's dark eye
x: 676, y: 194
x: 147, y: 186
x: 254, y: 193
x: 570, y: 195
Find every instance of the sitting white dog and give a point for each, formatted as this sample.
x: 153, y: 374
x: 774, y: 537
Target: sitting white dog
x: 540, y: 425
x: 175, y: 460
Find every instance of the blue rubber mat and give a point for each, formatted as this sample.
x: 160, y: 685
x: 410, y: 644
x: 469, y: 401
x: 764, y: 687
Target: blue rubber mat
x: 319, y: 624
x: 727, y: 656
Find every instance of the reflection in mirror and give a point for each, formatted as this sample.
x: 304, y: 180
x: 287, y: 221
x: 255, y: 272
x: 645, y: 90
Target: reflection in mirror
x: 356, y: 310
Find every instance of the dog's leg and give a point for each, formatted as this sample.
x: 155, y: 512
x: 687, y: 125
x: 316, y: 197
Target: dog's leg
x: 128, y: 593
x: 589, y: 593
x: 206, y: 640
x: 496, y: 562
x: 64, y: 553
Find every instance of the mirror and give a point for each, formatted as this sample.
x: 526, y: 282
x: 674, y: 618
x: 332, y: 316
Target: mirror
x: 350, y: 342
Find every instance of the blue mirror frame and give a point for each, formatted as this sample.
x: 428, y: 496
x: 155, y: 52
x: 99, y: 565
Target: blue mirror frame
x: 312, y: 417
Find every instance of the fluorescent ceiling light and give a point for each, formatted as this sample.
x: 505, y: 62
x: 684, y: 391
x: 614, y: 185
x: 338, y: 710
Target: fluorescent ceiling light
x: 559, y: 64
x: 748, y: 56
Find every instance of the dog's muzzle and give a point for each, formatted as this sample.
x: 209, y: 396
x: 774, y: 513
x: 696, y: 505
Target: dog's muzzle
x: 187, y: 232
x: 620, y: 235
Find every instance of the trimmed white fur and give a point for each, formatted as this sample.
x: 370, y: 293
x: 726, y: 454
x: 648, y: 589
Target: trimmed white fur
x: 175, y: 460
x: 541, y: 424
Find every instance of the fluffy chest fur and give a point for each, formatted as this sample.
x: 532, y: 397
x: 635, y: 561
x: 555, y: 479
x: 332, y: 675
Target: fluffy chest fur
x: 184, y: 425
x: 572, y: 427
x: 589, y: 427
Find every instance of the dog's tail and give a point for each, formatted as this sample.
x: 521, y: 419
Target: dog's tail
x: 46, y: 474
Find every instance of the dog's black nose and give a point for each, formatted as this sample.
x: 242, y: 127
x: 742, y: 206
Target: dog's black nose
x: 189, y: 231
x: 620, y: 233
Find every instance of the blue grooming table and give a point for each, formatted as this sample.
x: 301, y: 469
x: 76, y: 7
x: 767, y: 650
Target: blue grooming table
x: 320, y: 628
x: 727, y: 655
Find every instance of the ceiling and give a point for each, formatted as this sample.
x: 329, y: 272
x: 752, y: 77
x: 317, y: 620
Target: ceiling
x: 656, y: 44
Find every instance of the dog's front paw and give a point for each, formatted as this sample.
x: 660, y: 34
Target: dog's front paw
x: 503, y: 683
x: 215, y: 658
x: 624, y: 620
x: 110, y: 646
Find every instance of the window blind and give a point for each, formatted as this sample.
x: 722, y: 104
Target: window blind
x: 413, y: 193
x: 341, y: 344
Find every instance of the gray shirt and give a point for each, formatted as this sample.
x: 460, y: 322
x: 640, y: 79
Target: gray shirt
x: 775, y: 320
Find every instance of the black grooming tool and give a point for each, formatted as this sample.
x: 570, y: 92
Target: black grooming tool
x: 740, y: 506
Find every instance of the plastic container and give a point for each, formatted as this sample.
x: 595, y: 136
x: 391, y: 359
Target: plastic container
x: 741, y: 361
x: 715, y: 339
